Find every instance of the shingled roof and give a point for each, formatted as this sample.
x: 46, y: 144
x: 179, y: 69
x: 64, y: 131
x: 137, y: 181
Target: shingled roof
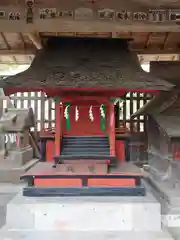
x: 86, y: 63
x: 168, y: 70
x: 169, y: 122
x: 160, y: 103
x: 163, y: 106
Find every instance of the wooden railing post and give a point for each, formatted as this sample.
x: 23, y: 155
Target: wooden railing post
x: 58, y: 128
x: 112, y: 129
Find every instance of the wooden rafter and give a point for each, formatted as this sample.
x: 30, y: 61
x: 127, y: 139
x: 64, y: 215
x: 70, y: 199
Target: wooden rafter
x: 24, y: 43
x: 22, y: 39
x: 148, y: 40
x: 7, y: 45
x: 36, y: 40
x: 167, y: 35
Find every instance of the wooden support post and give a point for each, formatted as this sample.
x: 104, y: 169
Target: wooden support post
x: 112, y: 129
x: 57, y: 128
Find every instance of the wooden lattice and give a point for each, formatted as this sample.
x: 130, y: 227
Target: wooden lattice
x: 44, y: 109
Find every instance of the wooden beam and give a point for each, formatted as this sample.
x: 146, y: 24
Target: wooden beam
x: 95, y: 25
x: 7, y: 45
x: 36, y: 39
x: 141, y: 51
x: 156, y: 51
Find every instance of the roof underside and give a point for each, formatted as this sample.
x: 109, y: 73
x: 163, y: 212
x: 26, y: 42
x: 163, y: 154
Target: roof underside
x: 18, y: 48
x: 86, y: 63
x: 169, y: 71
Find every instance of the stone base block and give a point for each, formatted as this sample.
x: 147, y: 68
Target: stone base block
x: 21, y: 156
x: 84, y: 214
x: 10, y: 172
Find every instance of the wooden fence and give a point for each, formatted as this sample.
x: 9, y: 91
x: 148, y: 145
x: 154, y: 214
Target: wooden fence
x: 44, y: 108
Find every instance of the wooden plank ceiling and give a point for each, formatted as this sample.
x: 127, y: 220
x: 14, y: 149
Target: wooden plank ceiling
x: 20, y: 48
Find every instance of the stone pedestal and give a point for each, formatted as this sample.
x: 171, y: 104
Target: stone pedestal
x: 15, y: 162
x: 84, y: 218
x: 10, y: 171
x: 20, y: 156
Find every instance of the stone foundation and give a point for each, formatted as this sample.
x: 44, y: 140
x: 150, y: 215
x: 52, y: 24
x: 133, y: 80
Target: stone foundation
x: 84, y: 214
x: 97, y: 218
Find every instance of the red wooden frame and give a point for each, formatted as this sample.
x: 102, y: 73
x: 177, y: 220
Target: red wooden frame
x: 114, y: 92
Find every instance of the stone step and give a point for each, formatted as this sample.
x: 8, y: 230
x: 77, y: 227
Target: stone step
x: 87, y: 213
x: 5, y: 234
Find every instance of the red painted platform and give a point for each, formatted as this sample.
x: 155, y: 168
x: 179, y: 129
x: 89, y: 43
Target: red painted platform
x: 83, y: 173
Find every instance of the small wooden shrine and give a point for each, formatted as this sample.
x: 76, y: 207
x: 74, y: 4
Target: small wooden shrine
x: 163, y: 130
x: 84, y: 76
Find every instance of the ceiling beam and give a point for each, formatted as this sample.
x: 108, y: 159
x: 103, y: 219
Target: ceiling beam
x: 32, y: 51
x: 156, y: 51
x: 94, y: 25
x: 36, y: 39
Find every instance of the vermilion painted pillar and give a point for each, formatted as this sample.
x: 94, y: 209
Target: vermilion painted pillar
x: 57, y: 128
x: 112, y: 129
x: 120, y: 150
